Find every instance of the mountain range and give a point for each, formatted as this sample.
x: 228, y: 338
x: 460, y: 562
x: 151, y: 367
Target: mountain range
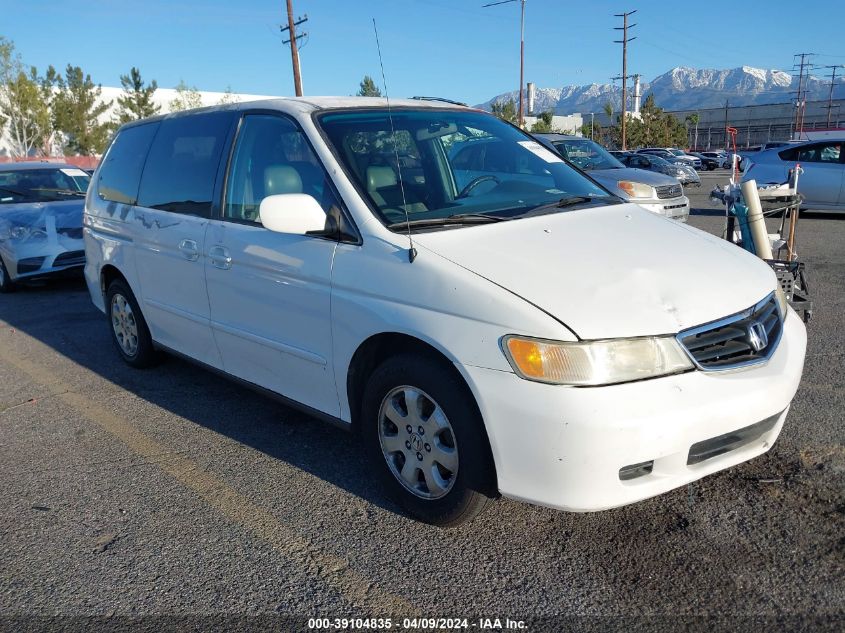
x: 682, y: 88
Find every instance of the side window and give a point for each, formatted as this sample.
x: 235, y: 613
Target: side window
x: 830, y: 153
x: 182, y: 164
x: 120, y: 173
x: 272, y: 157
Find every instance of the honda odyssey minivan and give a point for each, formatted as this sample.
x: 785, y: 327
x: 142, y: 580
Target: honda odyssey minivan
x: 519, y: 332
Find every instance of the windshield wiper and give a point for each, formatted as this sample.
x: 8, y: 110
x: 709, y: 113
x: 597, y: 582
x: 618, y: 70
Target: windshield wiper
x: 459, y: 218
x: 569, y: 201
x: 14, y: 192
x: 66, y: 192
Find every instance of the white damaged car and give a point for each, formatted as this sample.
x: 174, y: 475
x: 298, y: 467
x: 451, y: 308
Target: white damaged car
x: 492, y: 323
x: 40, y: 221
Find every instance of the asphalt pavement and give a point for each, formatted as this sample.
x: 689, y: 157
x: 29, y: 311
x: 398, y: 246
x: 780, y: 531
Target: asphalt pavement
x: 173, y: 492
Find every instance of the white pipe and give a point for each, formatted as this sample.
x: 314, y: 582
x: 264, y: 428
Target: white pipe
x: 756, y: 221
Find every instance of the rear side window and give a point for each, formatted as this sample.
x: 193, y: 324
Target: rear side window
x: 182, y: 164
x: 120, y: 173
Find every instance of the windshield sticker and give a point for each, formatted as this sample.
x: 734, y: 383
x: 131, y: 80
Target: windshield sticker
x: 73, y: 172
x: 535, y: 148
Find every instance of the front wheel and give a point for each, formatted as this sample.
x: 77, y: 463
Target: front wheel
x: 426, y: 440
x: 6, y: 283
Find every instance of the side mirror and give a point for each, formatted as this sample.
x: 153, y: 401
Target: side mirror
x: 294, y: 213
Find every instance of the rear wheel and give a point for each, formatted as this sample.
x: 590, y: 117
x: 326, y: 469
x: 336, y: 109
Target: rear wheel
x: 427, y: 441
x: 6, y: 283
x: 129, y: 330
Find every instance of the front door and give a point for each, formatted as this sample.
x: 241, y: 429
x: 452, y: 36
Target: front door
x: 270, y: 293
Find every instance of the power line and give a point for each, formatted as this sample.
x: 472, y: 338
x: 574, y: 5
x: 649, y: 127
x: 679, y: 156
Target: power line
x: 521, y: 51
x: 294, y: 51
x: 830, y: 94
x: 800, y: 101
x: 624, y: 41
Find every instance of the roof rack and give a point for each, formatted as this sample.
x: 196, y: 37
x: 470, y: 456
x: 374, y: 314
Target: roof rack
x: 459, y: 103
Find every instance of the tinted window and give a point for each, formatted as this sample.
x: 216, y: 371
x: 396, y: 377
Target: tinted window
x: 42, y: 185
x: 182, y: 164
x: 121, y: 169
x: 272, y: 157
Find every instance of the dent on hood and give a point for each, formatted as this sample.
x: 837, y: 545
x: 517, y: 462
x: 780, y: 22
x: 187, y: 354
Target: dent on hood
x: 39, y: 220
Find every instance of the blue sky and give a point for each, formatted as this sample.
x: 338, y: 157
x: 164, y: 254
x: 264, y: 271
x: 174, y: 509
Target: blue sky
x: 451, y: 48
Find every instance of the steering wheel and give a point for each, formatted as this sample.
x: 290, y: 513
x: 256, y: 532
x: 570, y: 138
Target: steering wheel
x: 472, y: 184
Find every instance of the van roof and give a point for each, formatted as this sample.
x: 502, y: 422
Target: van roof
x: 293, y: 105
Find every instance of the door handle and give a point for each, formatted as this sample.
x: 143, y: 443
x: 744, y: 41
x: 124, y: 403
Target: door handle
x: 220, y: 257
x: 190, y: 250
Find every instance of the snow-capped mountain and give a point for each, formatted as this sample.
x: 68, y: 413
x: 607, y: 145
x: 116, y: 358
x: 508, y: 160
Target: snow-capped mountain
x: 682, y: 88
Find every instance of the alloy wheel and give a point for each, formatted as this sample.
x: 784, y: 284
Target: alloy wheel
x: 124, y: 325
x: 418, y: 442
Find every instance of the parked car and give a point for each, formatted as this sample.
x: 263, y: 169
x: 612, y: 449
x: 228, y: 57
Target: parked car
x: 509, y: 327
x: 721, y: 157
x: 40, y: 221
x: 685, y: 174
x: 672, y: 155
x: 822, y: 183
x: 707, y: 162
x: 656, y: 192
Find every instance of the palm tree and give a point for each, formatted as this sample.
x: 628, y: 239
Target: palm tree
x: 694, y: 119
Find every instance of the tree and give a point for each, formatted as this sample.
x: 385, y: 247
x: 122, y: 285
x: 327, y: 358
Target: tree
x: 544, y: 123
x: 368, y: 88
x: 77, y: 109
x: 136, y: 102
x: 693, y: 119
x: 187, y: 97
x: 229, y: 97
x: 21, y: 106
x: 505, y: 110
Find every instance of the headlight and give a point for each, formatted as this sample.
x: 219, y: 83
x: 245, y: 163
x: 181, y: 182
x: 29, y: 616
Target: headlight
x: 21, y: 232
x: 783, y: 302
x: 636, y: 189
x: 591, y: 363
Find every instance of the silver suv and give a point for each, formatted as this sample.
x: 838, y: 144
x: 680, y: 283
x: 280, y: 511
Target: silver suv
x: 656, y: 192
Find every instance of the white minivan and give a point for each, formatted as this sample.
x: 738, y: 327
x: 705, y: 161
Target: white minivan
x: 501, y: 328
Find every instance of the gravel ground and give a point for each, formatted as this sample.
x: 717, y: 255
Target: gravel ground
x: 173, y: 492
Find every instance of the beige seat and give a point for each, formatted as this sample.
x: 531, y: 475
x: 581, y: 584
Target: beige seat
x: 383, y: 187
x: 279, y: 179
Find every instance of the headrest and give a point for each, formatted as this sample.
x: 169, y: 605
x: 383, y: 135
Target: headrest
x: 281, y: 179
x: 379, y: 176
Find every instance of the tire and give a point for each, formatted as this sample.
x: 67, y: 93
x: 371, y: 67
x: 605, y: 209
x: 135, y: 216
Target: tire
x: 6, y: 283
x: 129, y: 330
x: 452, y: 478
x: 711, y: 167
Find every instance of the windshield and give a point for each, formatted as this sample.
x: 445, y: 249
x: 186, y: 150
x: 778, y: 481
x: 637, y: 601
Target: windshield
x: 587, y: 154
x: 42, y: 185
x: 677, y: 152
x: 436, y: 164
x: 656, y: 160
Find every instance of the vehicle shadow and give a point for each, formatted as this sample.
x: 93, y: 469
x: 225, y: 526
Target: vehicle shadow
x: 60, y: 315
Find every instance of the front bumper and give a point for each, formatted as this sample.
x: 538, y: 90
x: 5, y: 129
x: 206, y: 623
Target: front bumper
x: 676, y: 208
x: 43, y: 257
x: 568, y: 447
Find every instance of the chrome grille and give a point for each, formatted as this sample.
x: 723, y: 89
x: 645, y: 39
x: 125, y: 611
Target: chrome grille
x: 746, y: 338
x: 669, y: 191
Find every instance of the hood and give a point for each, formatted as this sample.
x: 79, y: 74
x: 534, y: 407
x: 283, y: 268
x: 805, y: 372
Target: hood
x: 67, y: 214
x: 609, y: 177
x: 615, y: 271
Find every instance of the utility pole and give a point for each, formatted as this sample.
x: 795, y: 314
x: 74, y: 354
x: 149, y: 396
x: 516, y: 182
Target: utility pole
x: 624, y: 41
x: 801, y: 96
x: 830, y: 94
x: 294, y: 51
x: 520, y: 119
x: 727, y: 144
